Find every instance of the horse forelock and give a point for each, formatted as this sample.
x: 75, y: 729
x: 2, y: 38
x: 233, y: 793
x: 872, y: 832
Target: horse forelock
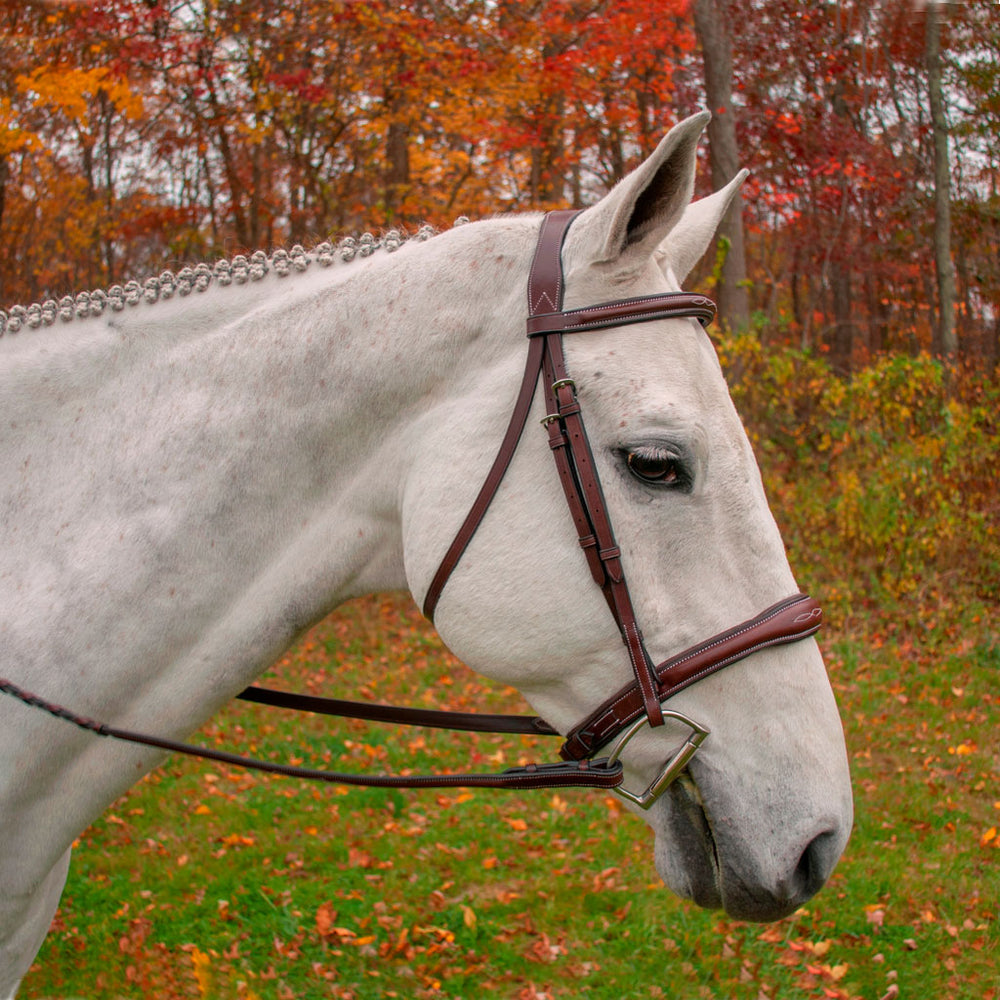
x: 239, y: 270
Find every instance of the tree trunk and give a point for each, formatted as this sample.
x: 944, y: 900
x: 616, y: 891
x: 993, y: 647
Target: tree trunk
x: 397, y: 168
x: 712, y: 29
x: 4, y: 175
x: 878, y: 316
x: 842, y: 346
x: 843, y: 328
x: 945, y: 340
x: 107, y: 115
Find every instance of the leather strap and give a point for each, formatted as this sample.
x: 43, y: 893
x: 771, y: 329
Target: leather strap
x: 787, y: 621
x: 469, y: 722
x: 545, y: 279
x: 669, y: 305
x: 585, y: 774
x: 545, y: 283
x: 492, y: 482
x: 574, y: 458
x: 585, y: 498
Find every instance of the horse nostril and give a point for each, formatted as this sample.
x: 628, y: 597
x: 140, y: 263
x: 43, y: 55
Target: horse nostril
x: 815, y: 865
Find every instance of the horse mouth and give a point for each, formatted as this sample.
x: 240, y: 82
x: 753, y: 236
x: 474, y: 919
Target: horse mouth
x: 693, y: 843
x: 722, y: 873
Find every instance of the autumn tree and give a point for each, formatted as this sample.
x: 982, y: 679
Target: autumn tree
x: 139, y: 134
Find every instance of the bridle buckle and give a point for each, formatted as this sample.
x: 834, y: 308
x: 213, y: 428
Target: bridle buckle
x: 671, y: 769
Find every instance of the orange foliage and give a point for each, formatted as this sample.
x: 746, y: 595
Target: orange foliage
x: 136, y: 136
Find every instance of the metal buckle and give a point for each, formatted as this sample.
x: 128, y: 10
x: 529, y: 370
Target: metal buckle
x: 671, y: 769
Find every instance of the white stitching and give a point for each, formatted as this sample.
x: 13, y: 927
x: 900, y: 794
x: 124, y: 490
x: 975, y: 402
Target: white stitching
x: 710, y: 668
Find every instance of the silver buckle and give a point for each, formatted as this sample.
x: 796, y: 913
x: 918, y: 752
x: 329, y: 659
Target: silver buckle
x: 671, y: 769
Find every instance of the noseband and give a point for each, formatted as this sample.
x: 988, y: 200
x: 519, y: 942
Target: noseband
x: 628, y: 710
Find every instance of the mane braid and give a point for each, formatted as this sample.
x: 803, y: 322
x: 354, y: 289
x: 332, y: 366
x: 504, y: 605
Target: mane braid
x: 239, y: 270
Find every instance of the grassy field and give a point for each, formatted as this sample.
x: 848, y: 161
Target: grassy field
x: 206, y: 882
x: 212, y: 883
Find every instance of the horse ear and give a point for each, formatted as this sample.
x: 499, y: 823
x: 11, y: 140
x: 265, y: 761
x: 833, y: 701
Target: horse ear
x: 627, y: 225
x: 689, y: 239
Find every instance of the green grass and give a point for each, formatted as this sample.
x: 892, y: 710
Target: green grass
x: 208, y: 882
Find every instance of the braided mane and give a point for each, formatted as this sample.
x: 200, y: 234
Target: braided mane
x: 239, y: 270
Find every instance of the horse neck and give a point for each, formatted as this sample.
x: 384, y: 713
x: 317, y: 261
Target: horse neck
x: 231, y: 463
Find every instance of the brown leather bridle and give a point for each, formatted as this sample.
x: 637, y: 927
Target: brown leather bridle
x: 628, y: 710
x: 624, y: 713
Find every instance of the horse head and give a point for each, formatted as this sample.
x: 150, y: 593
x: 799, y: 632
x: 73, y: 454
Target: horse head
x: 759, y: 818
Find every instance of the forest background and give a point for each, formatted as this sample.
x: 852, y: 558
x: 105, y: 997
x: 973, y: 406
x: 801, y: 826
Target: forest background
x: 137, y: 135
x: 860, y: 301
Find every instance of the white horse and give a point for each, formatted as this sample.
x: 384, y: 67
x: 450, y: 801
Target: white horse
x: 187, y: 484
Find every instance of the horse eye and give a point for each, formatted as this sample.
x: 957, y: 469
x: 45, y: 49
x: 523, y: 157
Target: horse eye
x: 655, y: 466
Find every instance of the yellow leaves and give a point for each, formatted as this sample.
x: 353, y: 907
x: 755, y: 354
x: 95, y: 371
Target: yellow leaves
x: 818, y: 948
x: 76, y: 92
x: 14, y: 138
x: 238, y: 840
x: 202, y: 965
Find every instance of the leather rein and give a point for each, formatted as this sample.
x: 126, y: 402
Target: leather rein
x: 628, y: 710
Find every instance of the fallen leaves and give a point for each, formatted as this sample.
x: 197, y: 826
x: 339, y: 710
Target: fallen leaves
x: 361, y: 882
x: 875, y: 915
